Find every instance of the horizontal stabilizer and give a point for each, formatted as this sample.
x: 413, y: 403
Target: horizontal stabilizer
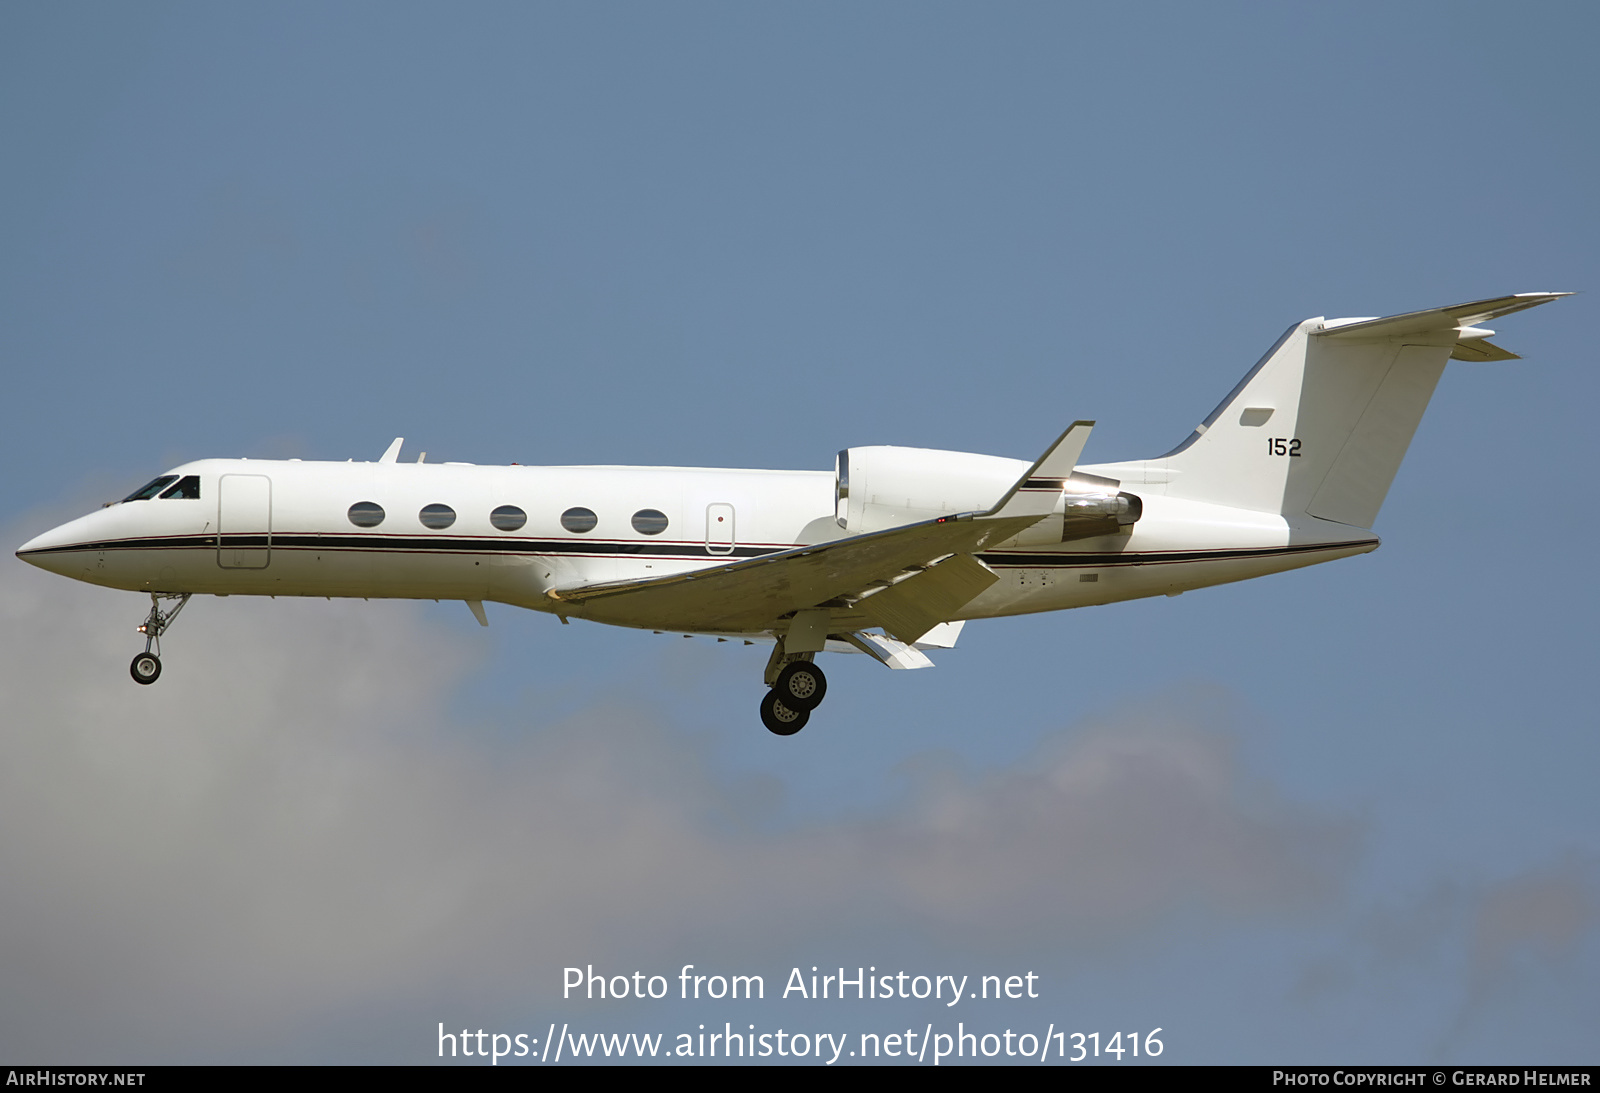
x: 1438, y: 318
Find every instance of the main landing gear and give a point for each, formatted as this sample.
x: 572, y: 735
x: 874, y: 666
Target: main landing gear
x: 798, y: 687
x: 146, y: 667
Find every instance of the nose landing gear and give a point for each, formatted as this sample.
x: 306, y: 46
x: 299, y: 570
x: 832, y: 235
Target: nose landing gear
x: 146, y: 667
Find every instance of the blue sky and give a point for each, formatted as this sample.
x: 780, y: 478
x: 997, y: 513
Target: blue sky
x: 1339, y: 815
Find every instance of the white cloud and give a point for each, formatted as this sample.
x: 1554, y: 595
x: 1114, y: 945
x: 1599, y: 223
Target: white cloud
x: 291, y: 826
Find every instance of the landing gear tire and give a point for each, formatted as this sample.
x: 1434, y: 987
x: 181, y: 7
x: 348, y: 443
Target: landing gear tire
x: 146, y: 668
x: 781, y: 719
x: 801, y: 685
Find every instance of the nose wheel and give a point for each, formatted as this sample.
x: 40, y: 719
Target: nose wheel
x: 146, y: 667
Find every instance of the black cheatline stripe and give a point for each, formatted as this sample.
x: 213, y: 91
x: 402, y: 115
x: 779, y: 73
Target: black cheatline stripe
x: 435, y: 543
x: 458, y: 545
x: 1056, y: 484
x: 1034, y: 561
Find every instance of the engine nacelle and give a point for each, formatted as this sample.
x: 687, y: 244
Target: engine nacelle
x: 883, y: 487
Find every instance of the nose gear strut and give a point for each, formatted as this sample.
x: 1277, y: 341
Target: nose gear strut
x: 146, y: 667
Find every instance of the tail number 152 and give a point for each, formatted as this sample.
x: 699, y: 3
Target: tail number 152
x: 1279, y: 445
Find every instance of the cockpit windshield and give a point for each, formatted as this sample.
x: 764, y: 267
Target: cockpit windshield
x: 168, y: 485
x: 144, y: 493
x: 188, y: 488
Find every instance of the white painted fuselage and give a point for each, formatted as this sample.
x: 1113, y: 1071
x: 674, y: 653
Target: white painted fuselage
x: 292, y: 536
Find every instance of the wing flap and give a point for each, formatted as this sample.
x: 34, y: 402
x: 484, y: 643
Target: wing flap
x: 942, y: 636
x: 914, y: 606
x: 888, y: 651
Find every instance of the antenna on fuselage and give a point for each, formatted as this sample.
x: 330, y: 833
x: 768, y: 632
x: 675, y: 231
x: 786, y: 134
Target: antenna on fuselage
x: 393, y: 454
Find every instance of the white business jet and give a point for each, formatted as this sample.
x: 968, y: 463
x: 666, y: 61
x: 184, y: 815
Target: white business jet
x: 887, y: 555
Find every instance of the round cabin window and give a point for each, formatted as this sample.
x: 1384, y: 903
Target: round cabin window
x: 437, y: 517
x: 508, y: 518
x: 649, y: 522
x: 579, y: 520
x: 366, y: 514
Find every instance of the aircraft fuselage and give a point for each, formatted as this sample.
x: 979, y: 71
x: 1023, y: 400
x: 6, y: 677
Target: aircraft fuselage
x: 283, y: 528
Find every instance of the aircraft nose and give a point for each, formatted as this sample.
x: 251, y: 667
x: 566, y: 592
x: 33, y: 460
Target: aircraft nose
x: 52, y: 550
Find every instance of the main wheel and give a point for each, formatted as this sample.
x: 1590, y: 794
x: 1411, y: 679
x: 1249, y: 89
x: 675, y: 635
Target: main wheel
x: 146, y: 668
x: 801, y: 684
x: 781, y: 719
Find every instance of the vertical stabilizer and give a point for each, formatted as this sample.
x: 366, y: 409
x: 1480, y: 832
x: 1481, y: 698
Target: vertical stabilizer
x: 1322, y: 422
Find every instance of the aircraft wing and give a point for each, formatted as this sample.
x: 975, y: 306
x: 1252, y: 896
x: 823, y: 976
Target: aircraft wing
x: 756, y: 593
x: 906, y: 579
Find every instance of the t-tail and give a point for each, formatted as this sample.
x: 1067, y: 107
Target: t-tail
x: 1319, y: 426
